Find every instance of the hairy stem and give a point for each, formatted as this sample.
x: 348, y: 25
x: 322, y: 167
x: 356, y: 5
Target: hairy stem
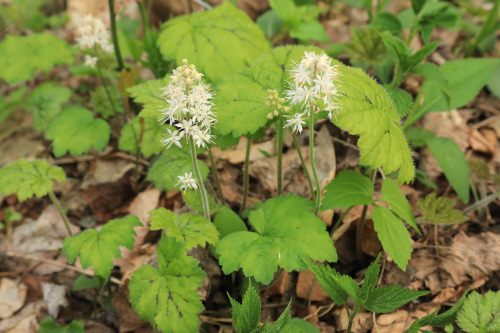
x: 199, y: 181
x: 56, y: 203
x: 216, y: 176
x: 361, y: 225
x: 105, y: 85
x: 304, y: 167
x: 246, y: 176
x: 279, y: 151
x: 114, y: 35
x: 311, y: 160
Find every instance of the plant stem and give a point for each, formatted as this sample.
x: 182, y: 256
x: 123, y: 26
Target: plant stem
x: 306, y: 172
x: 203, y: 192
x: 246, y: 176
x: 216, y: 176
x: 144, y: 15
x: 361, y: 225
x: 112, y: 21
x: 56, y: 203
x: 106, y: 89
x: 317, y: 198
x: 351, y: 319
x: 279, y: 151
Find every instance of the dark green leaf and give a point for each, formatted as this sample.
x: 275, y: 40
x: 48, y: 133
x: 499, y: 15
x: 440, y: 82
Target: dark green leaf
x: 349, y: 188
x: 371, y: 277
x: 246, y: 315
x: 389, y: 298
x: 440, y: 210
x: 48, y: 325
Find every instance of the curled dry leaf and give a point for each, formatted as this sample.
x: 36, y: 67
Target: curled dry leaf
x: 12, y: 296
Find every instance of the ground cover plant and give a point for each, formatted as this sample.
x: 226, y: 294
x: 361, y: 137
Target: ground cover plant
x: 267, y: 166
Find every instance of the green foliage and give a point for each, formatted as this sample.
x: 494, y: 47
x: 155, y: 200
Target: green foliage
x: 102, y: 104
x: 440, y: 210
x: 366, y: 48
x: 297, y: 325
x: 399, y: 205
x: 494, y: 83
x: 167, y: 296
x: 480, y: 314
x: 98, y: 248
x: 219, y: 42
x: 452, y: 161
x: 172, y: 163
x: 393, y: 235
x: 149, y: 93
x: 22, y: 55
x: 191, y: 229
x: 83, y: 282
x: 226, y: 221
x: 403, y: 101
x: 388, y: 298
x: 348, y: 189
x: 151, y: 132
x: 366, y: 110
x: 14, y: 102
x: 270, y: 23
x: 10, y: 215
x: 48, y: 325
x: 26, y: 179
x: 45, y: 103
x: 280, y: 239
x: 387, y: 22
x: 76, y: 131
x: 23, y: 14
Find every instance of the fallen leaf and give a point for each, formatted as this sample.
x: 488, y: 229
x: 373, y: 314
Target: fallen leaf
x: 25, y: 321
x: 12, y: 296
x: 309, y: 288
x: 54, y: 297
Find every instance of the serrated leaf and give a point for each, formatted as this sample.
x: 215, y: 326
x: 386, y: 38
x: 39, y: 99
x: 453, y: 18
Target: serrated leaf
x: 98, y: 248
x: 367, y: 111
x: 333, y: 284
x: 480, y: 314
x: 151, y: 132
x: 349, y: 188
x: 398, y: 202
x: 452, y: 161
x: 297, y: 325
x: 279, y: 240
x: 191, y: 229
x: 172, y: 163
x: 167, y: 296
x: 76, y: 131
x: 101, y: 103
x: 149, y: 93
x: 403, y: 101
x: 440, y: 210
x: 22, y: 55
x: 393, y: 235
x: 281, y: 322
x: 219, y: 42
x: 193, y: 200
x: 246, y: 315
x: 45, y: 103
x: 371, y: 277
x: 26, y: 179
x: 389, y: 298
x: 48, y: 325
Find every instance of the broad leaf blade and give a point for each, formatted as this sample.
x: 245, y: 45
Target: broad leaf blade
x: 480, y: 314
x: 48, y: 325
x: 348, y: 189
x: 45, y: 103
x: 399, y: 204
x: 150, y: 95
x: 389, y: 298
x: 330, y: 280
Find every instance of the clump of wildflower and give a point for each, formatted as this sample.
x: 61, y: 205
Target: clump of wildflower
x: 277, y: 103
x: 314, y: 81
x: 187, y: 181
x: 189, y: 107
x: 93, y: 36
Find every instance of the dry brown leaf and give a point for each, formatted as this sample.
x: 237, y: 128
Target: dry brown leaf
x: 309, y: 288
x: 54, y: 297
x: 26, y: 321
x: 362, y: 322
x: 12, y: 296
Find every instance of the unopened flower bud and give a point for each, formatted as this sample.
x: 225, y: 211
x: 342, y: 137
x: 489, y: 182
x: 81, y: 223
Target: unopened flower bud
x: 270, y: 116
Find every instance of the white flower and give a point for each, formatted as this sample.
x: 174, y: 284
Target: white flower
x: 187, y: 181
x: 173, y: 137
x: 92, y: 34
x: 90, y: 61
x: 295, y: 121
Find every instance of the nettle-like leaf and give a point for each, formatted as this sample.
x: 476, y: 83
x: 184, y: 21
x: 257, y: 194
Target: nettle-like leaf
x: 48, y: 325
x: 219, y: 42
x: 399, y: 204
x: 191, y: 229
x: 98, y: 248
x: 246, y: 315
x: 172, y: 163
x: 45, y: 103
x: 167, y: 296
x: 402, y: 100
x: 365, y: 109
x: 150, y: 95
x: 371, y: 277
x: 389, y: 298
x: 22, y: 55
x: 26, y: 179
x: 393, y: 235
x: 480, y: 314
x: 146, y: 130
x: 349, y: 188
x: 337, y: 286
x: 440, y: 210
x: 241, y: 98
x: 75, y: 130
x: 279, y: 240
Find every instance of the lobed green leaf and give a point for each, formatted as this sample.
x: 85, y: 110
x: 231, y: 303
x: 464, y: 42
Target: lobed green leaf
x: 440, y: 210
x: 480, y: 314
x: 45, y: 103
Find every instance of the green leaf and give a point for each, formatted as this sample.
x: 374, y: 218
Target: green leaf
x: 226, y: 221
x: 101, y: 103
x: 98, y: 248
x: 83, y: 282
x: 403, y: 101
x: 279, y: 240
x: 371, y: 277
x: 45, y: 103
x: 417, y: 136
x: 149, y: 93
x: 281, y: 322
x: 366, y: 110
x: 398, y: 202
x: 219, y: 42
x: 440, y: 210
x: 167, y: 296
x: 494, y: 83
x: 452, y: 161
x: 310, y: 30
x: 398, y: 50
x: 270, y: 23
x: 348, y: 189
x: 297, y: 325
x: 365, y: 47
x: 421, y: 54
x: 387, y: 22
x: 152, y: 133
x: 172, y: 163
x: 389, y: 298
x: 480, y: 314
x: 48, y: 325
x: 246, y: 315
x: 26, y: 179
x: 75, y: 130
x: 393, y: 235
x: 191, y: 229
x: 417, y: 5
x: 193, y: 200
x: 22, y: 55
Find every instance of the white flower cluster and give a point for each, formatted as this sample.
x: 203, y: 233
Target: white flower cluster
x: 187, y: 181
x: 314, y: 79
x: 189, y: 107
x: 92, y: 34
